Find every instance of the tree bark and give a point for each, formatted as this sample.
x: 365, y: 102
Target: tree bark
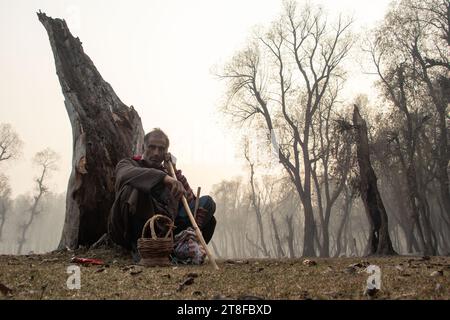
x: 379, y: 240
x: 104, y: 131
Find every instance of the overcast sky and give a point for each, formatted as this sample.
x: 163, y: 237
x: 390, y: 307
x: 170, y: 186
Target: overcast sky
x: 158, y: 57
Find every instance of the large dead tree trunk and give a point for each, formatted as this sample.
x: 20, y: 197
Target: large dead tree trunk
x: 104, y: 131
x: 379, y: 240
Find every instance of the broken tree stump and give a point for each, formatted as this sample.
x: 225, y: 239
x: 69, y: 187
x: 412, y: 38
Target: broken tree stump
x: 104, y: 131
x: 379, y: 240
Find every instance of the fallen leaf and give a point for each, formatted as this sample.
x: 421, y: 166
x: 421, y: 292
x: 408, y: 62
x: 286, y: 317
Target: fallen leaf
x: 356, y: 265
x: 135, y: 272
x: 350, y: 270
x: 364, y: 263
x: 328, y: 270
x: 399, y: 268
x: 256, y: 269
x: 192, y: 275
x: 188, y: 281
x: 309, y: 263
x: 438, y: 273
x: 131, y: 267
x: 304, y: 294
x: 405, y: 275
x: 5, y: 290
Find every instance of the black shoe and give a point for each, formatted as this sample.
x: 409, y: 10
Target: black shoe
x: 208, y: 230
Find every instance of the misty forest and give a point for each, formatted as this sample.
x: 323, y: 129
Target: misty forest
x: 328, y: 176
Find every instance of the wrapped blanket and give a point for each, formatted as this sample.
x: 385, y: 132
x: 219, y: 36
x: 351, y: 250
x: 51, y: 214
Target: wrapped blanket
x: 187, y: 248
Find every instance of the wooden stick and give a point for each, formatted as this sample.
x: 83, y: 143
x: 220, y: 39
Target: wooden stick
x: 193, y: 222
x: 197, y: 201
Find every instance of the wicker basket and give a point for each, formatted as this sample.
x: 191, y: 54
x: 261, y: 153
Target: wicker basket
x: 155, y: 251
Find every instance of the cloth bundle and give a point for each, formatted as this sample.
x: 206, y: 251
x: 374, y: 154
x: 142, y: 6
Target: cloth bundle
x: 187, y: 248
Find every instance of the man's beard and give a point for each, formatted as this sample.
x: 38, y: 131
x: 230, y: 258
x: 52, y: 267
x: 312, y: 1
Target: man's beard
x: 153, y: 163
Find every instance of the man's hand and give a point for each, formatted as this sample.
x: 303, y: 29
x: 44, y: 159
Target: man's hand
x: 176, y: 187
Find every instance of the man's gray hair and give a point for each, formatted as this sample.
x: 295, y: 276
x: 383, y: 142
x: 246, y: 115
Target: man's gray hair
x: 157, y: 132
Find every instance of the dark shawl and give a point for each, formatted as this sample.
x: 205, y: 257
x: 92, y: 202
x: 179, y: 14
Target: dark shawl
x: 139, y: 191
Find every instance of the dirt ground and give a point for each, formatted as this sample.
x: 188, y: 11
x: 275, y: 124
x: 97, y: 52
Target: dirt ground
x: 45, y: 277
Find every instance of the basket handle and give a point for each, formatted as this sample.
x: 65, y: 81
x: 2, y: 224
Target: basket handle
x: 152, y: 220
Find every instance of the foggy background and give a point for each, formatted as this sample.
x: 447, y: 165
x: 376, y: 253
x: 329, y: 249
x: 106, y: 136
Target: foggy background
x: 162, y: 57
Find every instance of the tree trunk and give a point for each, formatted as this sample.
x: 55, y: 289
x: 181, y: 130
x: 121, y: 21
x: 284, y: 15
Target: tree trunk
x: 3, y: 209
x: 290, y: 235
x: 379, y: 240
x: 346, y: 209
x: 310, y: 230
x: 104, y: 131
x: 256, y: 203
x: 279, y: 248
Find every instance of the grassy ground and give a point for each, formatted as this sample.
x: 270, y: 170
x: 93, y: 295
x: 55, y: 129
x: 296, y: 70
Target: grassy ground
x: 45, y: 277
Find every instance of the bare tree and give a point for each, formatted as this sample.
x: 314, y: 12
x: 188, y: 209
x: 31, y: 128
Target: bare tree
x: 10, y: 148
x: 281, y: 79
x: 410, y: 53
x: 379, y: 239
x: 256, y: 202
x: 5, y: 193
x: 46, y: 160
x: 10, y: 143
x: 332, y: 149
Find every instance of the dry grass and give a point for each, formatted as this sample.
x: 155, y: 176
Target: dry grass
x: 44, y: 277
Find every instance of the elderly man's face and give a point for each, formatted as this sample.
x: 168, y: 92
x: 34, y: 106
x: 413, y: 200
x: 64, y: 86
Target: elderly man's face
x: 155, y: 149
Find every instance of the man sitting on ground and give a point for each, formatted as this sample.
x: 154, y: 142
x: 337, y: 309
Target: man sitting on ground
x: 144, y: 187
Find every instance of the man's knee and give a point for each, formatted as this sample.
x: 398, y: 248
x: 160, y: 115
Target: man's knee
x: 207, y: 203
